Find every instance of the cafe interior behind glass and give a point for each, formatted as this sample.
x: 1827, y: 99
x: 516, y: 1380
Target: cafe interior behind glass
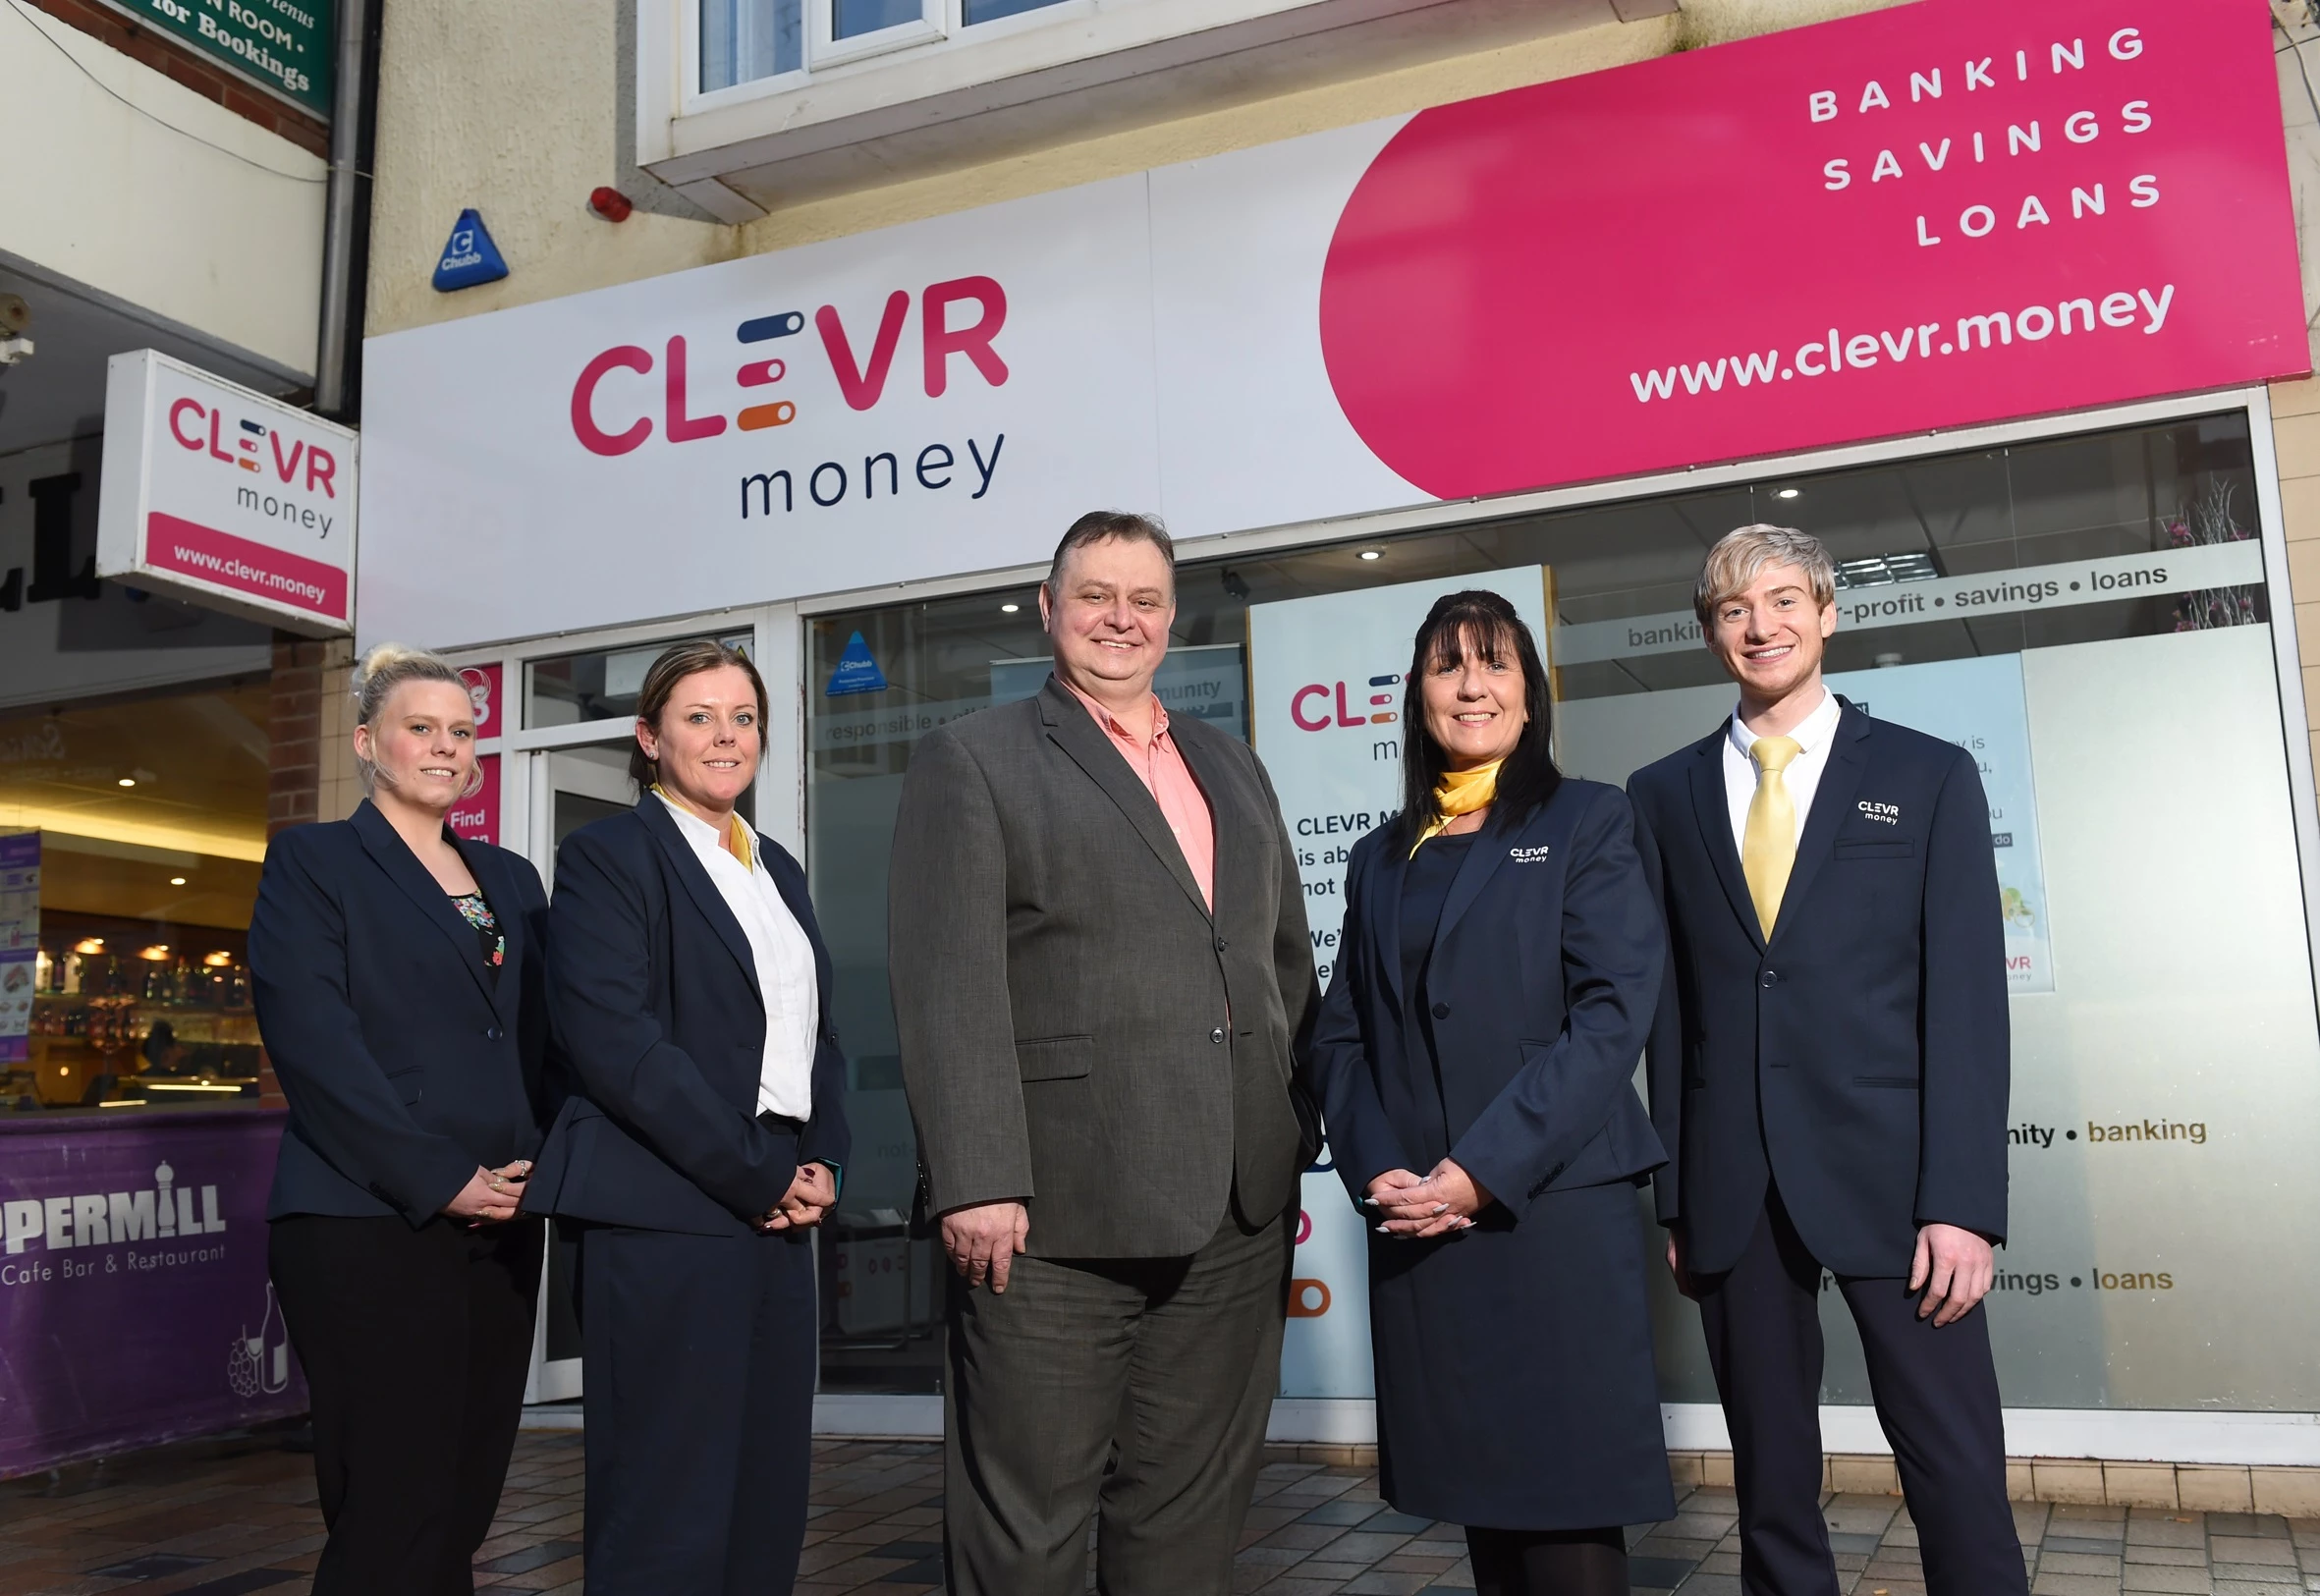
x: 132, y: 830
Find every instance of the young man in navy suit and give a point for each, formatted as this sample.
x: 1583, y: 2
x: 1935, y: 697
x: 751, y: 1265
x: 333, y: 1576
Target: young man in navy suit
x: 1827, y: 1071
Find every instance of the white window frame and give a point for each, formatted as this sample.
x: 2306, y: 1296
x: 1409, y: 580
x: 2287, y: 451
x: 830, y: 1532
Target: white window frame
x: 669, y: 91
x: 693, y: 99
x: 939, y: 22
x: 937, y: 19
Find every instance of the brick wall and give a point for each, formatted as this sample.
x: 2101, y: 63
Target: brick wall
x: 309, y: 760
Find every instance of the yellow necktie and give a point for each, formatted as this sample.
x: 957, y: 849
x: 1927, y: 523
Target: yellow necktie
x: 1458, y: 792
x: 1768, y: 844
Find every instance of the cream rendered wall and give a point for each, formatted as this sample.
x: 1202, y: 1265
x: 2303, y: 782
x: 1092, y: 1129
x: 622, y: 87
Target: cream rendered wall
x: 513, y: 109
x: 225, y: 241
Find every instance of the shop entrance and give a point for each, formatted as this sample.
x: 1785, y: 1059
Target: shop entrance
x: 2072, y: 602
x: 570, y: 788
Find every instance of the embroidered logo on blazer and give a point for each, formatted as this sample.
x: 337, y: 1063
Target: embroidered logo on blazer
x: 1888, y: 814
x: 1528, y: 855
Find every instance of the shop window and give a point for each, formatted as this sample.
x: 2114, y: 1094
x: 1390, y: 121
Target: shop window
x: 132, y: 833
x: 2095, y: 602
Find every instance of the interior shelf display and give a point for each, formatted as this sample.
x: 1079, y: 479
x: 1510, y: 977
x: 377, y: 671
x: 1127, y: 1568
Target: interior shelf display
x: 154, y: 1026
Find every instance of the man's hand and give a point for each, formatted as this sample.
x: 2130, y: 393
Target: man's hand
x: 984, y: 1239
x: 1677, y: 1267
x: 1954, y: 1268
x: 1445, y: 1200
x: 490, y: 1197
x: 805, y: 1204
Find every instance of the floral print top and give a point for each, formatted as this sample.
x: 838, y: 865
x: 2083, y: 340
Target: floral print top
x: 488, y: 938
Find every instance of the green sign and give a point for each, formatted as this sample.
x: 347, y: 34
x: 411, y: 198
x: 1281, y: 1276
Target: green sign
x: 283, y: 44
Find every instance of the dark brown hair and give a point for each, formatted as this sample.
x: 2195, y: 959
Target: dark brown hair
x: 1483, y: 621
x: 677, y: 662
x: 1098, y: 525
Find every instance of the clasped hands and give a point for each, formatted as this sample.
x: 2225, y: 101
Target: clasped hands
x: 1443, y: 1201
x: 805, y: 1204
x: 491, y: 1196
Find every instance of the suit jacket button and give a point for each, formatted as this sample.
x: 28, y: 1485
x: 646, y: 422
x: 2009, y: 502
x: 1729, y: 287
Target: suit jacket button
x: 1220, y: 944
x: 492, y: 1033
x: 1441, y: 1011
x: 1772, y: 977
x: 1217, y: 1035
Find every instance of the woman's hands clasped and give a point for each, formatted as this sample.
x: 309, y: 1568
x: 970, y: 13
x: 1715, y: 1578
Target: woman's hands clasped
x: 491, y: 1196
x: 805, y: 1204
x: 1439, y: 1203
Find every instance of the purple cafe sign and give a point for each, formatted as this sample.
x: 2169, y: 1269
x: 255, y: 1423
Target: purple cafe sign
x: 135, y: 1306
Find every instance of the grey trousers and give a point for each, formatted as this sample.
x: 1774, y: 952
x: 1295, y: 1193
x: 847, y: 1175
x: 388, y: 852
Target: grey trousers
x: 1172, y: 1361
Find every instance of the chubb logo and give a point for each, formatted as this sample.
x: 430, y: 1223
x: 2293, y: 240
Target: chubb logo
x: 97, y: 1219
x: 1320, y: 705
x: 959, y: 317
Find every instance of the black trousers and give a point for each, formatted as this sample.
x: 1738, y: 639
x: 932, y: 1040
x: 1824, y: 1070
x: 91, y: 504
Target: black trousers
x: 1548, y: 1562
x: 1164, y: 1367
x: 697, y: 1354
x: 1936, y: 1392
x: 415, y: 1344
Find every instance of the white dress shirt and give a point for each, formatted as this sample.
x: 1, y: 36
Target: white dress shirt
x: 784, y: 959
x: 1803, y: 776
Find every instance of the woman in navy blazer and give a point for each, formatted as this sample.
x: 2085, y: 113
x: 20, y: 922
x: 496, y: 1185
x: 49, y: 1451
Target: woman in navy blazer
x: 400, y: 991
x: 691, y: 994
x: 1498, y: 964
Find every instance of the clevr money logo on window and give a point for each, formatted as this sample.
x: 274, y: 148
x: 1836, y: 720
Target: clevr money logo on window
x: 1319, y: 706
x: 617, y: 415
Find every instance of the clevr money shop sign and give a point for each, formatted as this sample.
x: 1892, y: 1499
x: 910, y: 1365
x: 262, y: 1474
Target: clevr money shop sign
x: 225, y: 497
x: 1937, y: 215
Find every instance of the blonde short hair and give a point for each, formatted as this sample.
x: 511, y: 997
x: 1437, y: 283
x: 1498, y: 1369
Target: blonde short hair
x: 380, y: 672
x: 1740, y: 556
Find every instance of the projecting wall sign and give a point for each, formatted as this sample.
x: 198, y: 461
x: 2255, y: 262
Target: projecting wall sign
x: 225, y: 497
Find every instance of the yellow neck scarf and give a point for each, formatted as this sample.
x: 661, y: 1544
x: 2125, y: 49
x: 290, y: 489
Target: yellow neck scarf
x: 1460, y: 792
x: 737, y: 832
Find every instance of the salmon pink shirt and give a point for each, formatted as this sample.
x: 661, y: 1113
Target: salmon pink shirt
x: 1160, y: 766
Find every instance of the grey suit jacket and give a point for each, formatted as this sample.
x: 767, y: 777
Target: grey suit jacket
x: 1077, y: 1030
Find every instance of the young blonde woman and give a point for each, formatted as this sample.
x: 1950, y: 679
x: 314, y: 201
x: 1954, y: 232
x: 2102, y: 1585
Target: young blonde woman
x: 399, y: 983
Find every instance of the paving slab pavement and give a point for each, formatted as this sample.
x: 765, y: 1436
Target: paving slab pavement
x: 236, y: 1517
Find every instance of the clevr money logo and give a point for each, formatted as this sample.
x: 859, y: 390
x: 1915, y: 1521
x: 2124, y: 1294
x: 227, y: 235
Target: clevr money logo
x: 1313, y: 708
x: 259, y: 449
x: 599, y: 407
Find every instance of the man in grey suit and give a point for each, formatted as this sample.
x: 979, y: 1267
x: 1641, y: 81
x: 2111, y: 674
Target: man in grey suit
x: 1103, y: 984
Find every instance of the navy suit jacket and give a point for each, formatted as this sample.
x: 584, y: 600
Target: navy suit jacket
x: 406, y: 1063
x: 653, y: 989
x: 1860, y: 1059
x: 1545, y: 966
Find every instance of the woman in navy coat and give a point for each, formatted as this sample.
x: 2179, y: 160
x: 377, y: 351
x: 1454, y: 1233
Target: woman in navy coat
x: 1499, y: 966
x: 692, y: 996
x: 400, y: 989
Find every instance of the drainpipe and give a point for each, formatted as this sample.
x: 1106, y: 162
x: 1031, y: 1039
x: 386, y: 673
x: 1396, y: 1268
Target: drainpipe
x: 345, y: 228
